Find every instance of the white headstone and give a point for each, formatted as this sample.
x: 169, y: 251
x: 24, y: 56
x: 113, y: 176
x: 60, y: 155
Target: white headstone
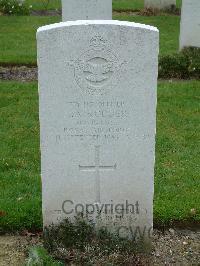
x: 190, y: 24
x: 160, y: 4
x: 86, y: 9
x: 97, y: 88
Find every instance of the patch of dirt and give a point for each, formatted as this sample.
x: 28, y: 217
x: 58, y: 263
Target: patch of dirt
x: 156, y: 12
x: 21, y: 73
x: 59, y: 12
x: 144, y: 12
x: 27, y: 73
x: 178, y: 247
x: 13, y: 249
x: 46, y: 12
x: 126, y: 13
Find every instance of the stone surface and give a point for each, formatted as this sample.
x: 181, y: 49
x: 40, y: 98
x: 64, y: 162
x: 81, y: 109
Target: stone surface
x: 86, y: 9
x: 160, y: 4
x: 190, y: 24
x: 97, y: 89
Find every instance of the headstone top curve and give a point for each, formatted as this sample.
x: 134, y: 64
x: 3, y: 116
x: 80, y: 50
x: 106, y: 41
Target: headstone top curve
x: 96, y: 22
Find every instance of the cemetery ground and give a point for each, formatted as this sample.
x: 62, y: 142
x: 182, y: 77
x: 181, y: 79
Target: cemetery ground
x: 176, y: 178
x: 177, y: 161
x: 177, y: 185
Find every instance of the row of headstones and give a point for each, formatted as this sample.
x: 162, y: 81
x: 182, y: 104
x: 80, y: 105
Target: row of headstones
x: 102, y: 9
x: 97, y: 90
x: 160, y: 4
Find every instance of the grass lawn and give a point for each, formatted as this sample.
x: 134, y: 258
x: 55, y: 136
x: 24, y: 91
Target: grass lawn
x: 117, y: 4
x: 19, y: 157
x: 177, y: 181
x: 18, y: 38
x: 18, y: 43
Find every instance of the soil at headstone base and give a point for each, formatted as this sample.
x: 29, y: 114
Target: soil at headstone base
x: 14, y: 249
x: 57, y: 12
x: 30, y: 73
x: 126, y: 12
x: 18, y: 73
x: 181, y: 247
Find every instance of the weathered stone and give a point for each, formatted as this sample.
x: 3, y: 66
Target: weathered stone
x: 86, y: 9
x: 190, y: 24
x: 97, y: 87
x: 160, y: 4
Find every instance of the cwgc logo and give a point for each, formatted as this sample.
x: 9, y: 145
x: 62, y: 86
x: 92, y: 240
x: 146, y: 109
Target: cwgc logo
x: 95, y: 71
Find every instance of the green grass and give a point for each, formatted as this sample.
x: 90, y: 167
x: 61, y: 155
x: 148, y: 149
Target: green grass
x: 18, y: 35
x: 18, y: 38
x: 39, y: 256
x: 118, y: 5
x: 42, y: 4
x: 19, y: 157
x: 177, y: 181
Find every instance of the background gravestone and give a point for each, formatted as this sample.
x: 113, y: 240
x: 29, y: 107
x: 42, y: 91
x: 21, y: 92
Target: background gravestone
x: 190, y: 24
x: 86, y: 9
x: 97, y: 87
x: 160, y: 4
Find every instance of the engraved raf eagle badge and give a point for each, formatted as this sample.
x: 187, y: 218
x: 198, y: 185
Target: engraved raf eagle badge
x: 95, y: 71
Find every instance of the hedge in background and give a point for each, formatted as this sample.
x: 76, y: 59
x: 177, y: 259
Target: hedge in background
x: 184, y: 65
x: 14, y: 7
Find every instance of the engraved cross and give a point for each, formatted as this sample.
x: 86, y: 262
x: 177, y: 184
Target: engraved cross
x: 96, y: 169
